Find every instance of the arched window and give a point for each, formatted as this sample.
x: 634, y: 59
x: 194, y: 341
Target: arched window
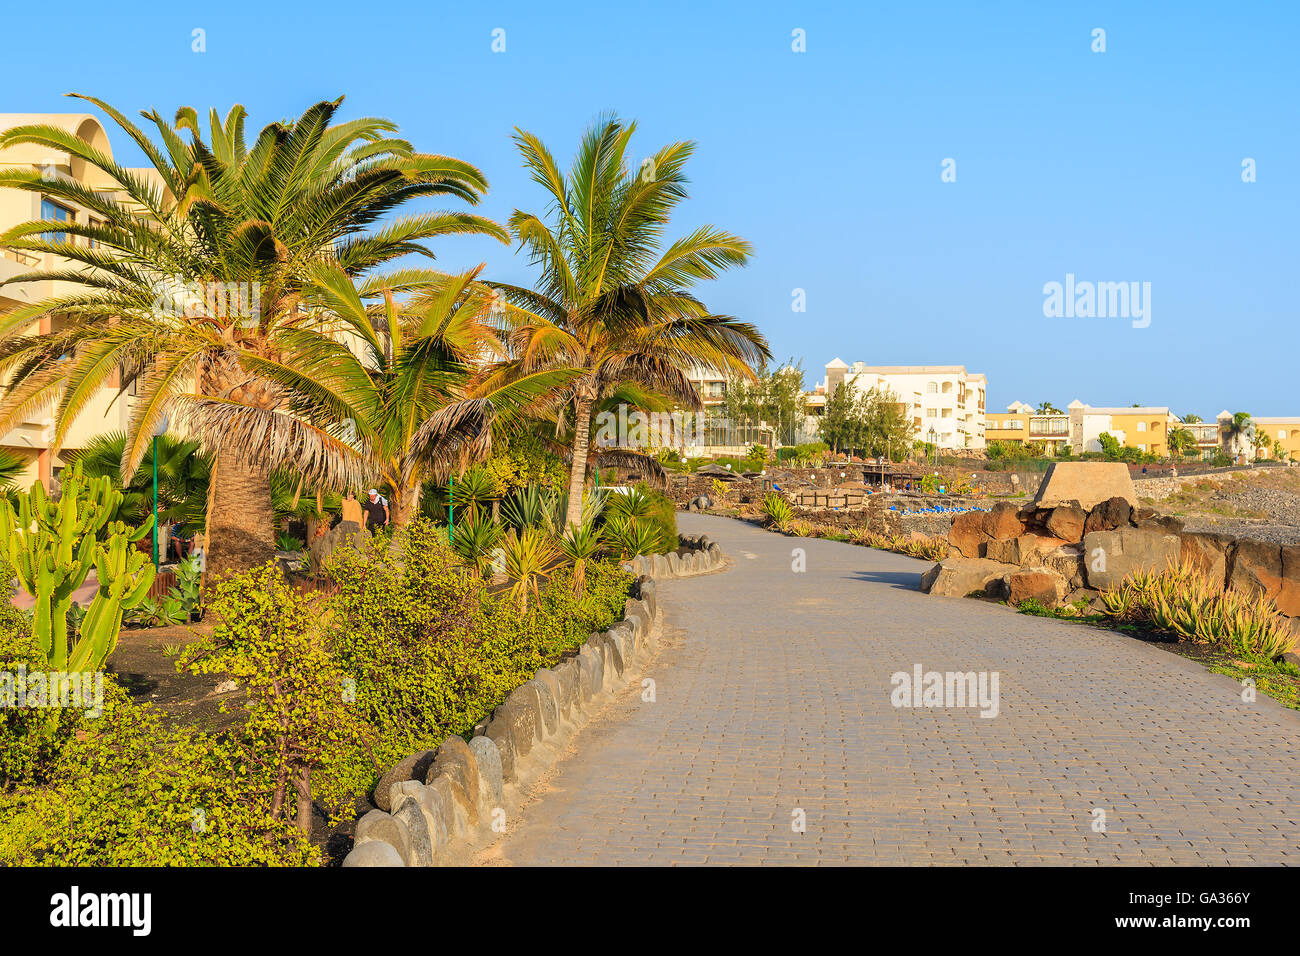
x: 931, y: 388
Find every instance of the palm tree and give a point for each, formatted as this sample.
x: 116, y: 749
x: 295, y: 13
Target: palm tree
x: 375, y: 385
x: 1047, y: 408
x: 612, y: 303
x: 1181, y: 440
x: 185, y: 286
x: 1237, y: 432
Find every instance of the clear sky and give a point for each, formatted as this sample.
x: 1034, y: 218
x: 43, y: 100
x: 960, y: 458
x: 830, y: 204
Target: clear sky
x: 1115, y: 166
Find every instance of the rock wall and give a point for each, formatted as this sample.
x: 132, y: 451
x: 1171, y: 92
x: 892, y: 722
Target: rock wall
x: 1015, y: 552
x: 439, y: 806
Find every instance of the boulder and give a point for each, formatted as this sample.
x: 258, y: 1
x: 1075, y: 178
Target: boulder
x: 1003, y: 521
x: 1028, y: 549
x: 968, y: 536
x: 1108, y: 515
x: 1255, y: 567
x: 1288, y: 595
x: 958, y: 576
x: 456, y: 761
x: 1066, y: 522
x: 1039, y: 584
x: 335, y: 537
x: 1086, y: 483
x: 373, y: 853
x: 1208, y: 551
x: 419, y: 847
x: 1067, y: 561
x: 1110, y: 556
x: 491, y: 782
x: 1154, y: 521
x: 414, y: 767
x: 378, y: 825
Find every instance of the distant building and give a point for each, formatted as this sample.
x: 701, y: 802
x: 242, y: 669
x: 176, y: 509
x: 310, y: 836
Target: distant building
x: 944, y: 403
x: 1144, y: 427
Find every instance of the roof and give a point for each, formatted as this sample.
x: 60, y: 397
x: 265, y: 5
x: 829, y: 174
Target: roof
x: 836, y: 363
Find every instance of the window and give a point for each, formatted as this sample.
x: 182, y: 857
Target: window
x: 931, y: 413
x: 947, y: 387
x: 1142, y: 426
x: 947, y: 413
x: 52, y: 210
x: 97, y: 224
x: 1142, y: 448
x: 931, y: 388
x: 1281, y: 433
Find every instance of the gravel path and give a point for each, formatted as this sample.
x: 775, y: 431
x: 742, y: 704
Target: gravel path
x: 773, y: 704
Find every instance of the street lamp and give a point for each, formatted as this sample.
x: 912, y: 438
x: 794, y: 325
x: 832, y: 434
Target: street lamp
x: 159, y: 430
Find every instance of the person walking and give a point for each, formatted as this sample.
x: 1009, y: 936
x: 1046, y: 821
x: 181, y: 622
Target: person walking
x: 376, y: 509
x: 352, y: 510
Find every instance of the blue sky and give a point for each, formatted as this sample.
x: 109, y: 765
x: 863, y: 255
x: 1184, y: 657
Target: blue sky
x: 1117, y: 166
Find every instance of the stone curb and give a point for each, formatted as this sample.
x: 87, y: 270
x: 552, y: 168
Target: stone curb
x: 462, y: 803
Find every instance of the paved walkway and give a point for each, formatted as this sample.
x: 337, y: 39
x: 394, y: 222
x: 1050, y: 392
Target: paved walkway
x: 773, y: 695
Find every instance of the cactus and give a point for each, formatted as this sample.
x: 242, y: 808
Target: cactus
x: 125, y: 576
x: 52, y: 547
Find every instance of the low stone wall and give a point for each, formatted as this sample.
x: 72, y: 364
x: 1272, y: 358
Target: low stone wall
x: 438, y: 807
x: 1157, y: 489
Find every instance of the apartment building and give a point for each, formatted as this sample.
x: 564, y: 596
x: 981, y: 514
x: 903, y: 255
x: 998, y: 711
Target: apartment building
x: 945, y: 403
x: 1081, y: 426
x: 32, y: 440
x: 1283, y: 431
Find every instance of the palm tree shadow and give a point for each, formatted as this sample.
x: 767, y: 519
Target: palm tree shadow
x: 903, y: 580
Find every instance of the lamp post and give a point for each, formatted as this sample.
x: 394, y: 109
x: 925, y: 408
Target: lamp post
x: 159, y: 430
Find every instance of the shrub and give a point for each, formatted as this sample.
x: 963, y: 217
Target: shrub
x: 133, y: 792
x: 302, y: 738
x: 777, y: 512
x: 31, y: 738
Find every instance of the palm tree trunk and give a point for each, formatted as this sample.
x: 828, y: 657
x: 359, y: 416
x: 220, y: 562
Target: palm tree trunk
x: 240, y: 527
x: 578, y: 470
x: 405, y: 504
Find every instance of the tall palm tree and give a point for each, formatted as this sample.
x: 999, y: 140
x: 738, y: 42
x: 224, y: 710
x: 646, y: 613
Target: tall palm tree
x: 613, y: 303
x: 153, y: 284
x: 380, y: 386
x: 1237, y: 432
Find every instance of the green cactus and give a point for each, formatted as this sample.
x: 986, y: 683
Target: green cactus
x: 52, y: 547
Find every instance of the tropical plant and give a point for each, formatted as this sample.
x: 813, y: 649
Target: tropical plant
x: 528, y: 553
x: 476, y: 540
x: 611, y: 303
x: 287, y: 542
x: 53, y: 545
x: 1181, y: 441
x: 183, y: 476
x: 579, y: 544
x: 473, y: 490
x: 192, y: 287
x: 627, y: 538
x: 777, y: 512
x: 524, y: 508
x: 1238, y: 432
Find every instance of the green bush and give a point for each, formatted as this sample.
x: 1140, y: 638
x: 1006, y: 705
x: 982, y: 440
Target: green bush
x: 31, y: 738
x: 133, y: 792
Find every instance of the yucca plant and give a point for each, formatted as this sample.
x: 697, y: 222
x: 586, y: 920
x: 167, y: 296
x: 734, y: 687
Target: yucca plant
x: 527, y: 555
x: 579, y: 544
x: 476, y: 540
x: 524, y: 508
x: 474, y: 490
x: 777, y: 512
x: 634, y: 505
x: 627, y: 538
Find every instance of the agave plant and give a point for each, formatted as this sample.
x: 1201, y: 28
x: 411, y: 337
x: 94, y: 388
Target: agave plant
x: 527, y: 555
x: 579, y: 544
